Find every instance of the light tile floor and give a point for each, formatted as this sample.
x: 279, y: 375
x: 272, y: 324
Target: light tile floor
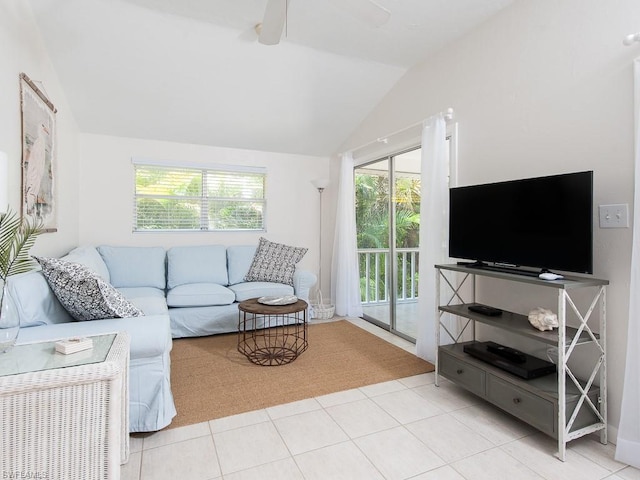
x: 402, y: 429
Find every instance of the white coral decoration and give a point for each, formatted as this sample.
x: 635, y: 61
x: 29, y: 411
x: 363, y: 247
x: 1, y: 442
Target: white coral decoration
x: 543, y: 319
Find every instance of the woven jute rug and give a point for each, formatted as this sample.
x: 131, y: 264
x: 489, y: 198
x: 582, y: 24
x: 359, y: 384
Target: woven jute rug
x: 210, y: 379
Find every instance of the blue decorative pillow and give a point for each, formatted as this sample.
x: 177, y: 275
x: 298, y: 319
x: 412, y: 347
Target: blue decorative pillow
x: 83, y: 293
x: 274, y: 262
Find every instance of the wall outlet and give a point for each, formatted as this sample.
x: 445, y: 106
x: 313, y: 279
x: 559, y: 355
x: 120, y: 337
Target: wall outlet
x: 614, y: 216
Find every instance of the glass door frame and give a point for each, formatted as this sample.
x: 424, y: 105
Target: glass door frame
x: 452, y: 138
x: 392, y: 260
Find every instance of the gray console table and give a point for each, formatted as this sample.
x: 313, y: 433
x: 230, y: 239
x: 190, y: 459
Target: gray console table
x: 563, y: 406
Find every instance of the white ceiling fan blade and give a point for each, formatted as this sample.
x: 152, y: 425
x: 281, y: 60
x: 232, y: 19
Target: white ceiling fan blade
x: 275, y: 16
x: 366, y: 11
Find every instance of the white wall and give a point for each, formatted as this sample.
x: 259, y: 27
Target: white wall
x: 107, y: 186
x: 543, y: 88
x: 21, y: 50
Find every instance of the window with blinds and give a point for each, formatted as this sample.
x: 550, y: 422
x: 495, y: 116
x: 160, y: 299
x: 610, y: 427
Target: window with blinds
x: 185, y: 198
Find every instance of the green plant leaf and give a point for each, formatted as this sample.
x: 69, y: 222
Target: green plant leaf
x: 17, y: 237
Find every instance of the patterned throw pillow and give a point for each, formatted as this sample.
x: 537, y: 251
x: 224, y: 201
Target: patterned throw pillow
x: 274, y: 262
x: 83, y: 293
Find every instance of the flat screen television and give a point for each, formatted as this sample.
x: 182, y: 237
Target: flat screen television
x: 544, y: 223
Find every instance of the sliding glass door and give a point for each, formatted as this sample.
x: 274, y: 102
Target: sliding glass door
x: 388, y: 225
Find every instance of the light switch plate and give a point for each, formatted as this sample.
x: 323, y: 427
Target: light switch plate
x: 614, y: 216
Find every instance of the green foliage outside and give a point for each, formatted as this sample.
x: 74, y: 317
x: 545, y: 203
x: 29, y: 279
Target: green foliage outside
x: 173, y: 199
x: 372, y: 222
x: 228, y: 215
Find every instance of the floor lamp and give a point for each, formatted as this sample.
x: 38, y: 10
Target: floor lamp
x: 321, y: 310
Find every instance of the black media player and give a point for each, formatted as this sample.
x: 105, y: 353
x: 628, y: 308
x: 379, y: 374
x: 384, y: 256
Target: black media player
x: 531, y: 367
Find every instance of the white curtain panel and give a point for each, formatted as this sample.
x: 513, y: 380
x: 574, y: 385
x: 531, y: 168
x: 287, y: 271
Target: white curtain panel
x: 345, y: 275
x: 628, y: 444
x: 434, y: 228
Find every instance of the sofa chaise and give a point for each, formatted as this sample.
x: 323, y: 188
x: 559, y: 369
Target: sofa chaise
x: 180, y: 292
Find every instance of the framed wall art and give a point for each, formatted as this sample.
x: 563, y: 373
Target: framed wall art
x: 38, y: 155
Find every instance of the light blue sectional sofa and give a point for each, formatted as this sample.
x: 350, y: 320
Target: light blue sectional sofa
x: 206, y: 283
x: 183, y: 292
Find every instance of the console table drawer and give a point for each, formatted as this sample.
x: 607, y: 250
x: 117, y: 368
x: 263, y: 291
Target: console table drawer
x: 527, y: 406
x: 461, y: 372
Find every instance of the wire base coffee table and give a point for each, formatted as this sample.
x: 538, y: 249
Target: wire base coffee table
x: 272, y: 334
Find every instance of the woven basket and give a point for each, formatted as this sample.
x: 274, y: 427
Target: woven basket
x: 321, y: 310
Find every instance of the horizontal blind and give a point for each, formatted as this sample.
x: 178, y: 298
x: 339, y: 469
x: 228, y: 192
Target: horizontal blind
x: 198, y: 166
x: 198, y: 199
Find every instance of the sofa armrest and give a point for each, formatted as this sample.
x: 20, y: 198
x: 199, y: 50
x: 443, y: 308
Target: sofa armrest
x: 303, y: 280
x: 150, y: 334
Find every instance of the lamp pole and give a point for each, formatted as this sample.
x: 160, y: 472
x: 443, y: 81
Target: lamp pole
x: 320, y: 185
x: 320, y: 190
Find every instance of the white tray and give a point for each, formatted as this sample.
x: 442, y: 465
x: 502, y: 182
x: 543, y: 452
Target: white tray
x: 278, y: 300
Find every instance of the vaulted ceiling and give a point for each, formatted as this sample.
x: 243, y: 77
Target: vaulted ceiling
x: 192, y: 71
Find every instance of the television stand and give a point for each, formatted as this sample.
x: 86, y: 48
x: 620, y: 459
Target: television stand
x: 563, y: 406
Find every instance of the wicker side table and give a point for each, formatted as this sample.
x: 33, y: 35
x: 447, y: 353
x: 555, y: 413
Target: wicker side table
x: 65, y: 416
x: 272, y: 334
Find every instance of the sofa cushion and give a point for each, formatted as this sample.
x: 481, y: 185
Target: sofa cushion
x: 245, y: 291
x: 197, y: 264
x: 135, y: 266
x: 274, y: 262
x: 35, y: 301
x: 239, y: 260
x: 90, y: 258
x: 150, y: 300
x: 83, y: 293
x: 151, y: 305
x: 199, y: 295
x: 131, y: 293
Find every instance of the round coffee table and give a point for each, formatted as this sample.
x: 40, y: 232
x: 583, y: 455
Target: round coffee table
x: 272, y: 334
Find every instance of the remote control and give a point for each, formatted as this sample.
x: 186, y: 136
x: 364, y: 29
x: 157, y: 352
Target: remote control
x: 509, y: 353
x: 550, y: 276
x: 485, y: 310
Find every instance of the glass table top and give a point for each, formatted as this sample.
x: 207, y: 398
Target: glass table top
x: 36, y: 357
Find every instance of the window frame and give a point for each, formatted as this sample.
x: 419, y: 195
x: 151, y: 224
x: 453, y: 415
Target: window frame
x: 204, y: 200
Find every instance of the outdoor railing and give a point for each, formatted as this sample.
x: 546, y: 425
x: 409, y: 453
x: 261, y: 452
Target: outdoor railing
x: 374, y: 275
